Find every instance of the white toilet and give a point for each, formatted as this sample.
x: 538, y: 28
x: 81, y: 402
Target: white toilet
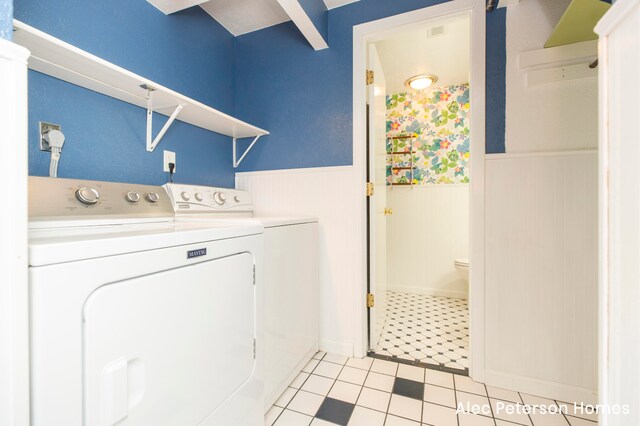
x: 462, y: 266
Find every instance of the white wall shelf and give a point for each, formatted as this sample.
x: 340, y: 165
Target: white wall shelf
x: 61, y: 60
x: 562, y: 63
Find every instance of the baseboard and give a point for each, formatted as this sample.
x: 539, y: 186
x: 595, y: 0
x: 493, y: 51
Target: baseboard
x: 547, y: 389
x: 338, y: 348
x: 429, y: 291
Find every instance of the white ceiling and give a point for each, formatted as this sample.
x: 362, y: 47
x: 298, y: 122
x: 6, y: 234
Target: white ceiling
x: 416, y: 52
x: 239, y: 16
x: 171, y: 6
x: 244, y: 16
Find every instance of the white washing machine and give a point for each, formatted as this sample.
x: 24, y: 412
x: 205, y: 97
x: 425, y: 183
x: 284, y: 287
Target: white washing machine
x: 290, y: 270
x: 136, y: 319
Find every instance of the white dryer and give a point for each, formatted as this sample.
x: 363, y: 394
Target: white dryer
x: 290, y: 271
x: 136, y: 319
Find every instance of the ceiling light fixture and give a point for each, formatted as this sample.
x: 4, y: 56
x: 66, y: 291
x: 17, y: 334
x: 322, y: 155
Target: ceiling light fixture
x: 420, y: 82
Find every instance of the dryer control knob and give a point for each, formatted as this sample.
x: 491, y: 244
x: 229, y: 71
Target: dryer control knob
x: 152, y: 197
x: 185, y: 195
x: 219, y: 197
x: 199, y: 196
x: 132, y: 197
x: 237, y: 198
x: 87, y: 195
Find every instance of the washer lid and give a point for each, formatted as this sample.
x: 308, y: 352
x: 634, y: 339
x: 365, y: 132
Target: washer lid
x: 58, y: 245
x: 266, y: 221
x: 272, y: 221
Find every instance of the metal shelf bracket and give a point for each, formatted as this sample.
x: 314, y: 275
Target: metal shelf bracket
x: 236, y: 162
x: 153, y: 142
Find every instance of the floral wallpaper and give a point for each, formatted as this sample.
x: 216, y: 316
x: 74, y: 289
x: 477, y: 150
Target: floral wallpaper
x: 439, y: 120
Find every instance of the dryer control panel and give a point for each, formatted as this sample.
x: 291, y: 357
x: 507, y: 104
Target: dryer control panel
x: 54, y: 200
x: 189, y: 199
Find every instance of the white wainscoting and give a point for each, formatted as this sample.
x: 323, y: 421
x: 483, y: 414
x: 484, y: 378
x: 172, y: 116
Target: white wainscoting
x: 326, y: 193
x: 541, y: 256
x: 619, y: 52
x: 428, y: 230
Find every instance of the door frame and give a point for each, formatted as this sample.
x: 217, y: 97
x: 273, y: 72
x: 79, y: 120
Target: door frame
x: 14, y: 290
x: 364, y: 34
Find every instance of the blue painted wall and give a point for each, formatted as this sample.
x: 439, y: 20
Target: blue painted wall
x: 304, y: 98
x: 317, y: 12
x: 496, y: 81
x: 271, y: 78
x: 105, y: 138
x: 6, y: 18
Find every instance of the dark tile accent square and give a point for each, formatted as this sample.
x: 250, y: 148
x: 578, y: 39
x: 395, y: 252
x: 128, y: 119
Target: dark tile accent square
x: 335, y: 411
x: 408, y: 388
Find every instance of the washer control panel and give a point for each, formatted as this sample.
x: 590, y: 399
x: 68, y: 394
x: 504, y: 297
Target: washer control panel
x: 208, y: 199
x: 70, y: 199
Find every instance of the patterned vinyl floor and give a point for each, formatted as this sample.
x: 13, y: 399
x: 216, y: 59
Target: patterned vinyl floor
x: 426, y: 329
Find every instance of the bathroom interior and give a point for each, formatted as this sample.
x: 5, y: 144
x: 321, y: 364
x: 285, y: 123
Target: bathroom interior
x: 423, y: 157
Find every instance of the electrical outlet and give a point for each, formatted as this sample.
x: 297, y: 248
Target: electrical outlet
x: 44, y: 128
x: 170, y: 157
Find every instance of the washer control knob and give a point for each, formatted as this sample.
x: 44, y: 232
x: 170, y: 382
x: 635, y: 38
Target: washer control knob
x: 152, y: 197
x: 219, y: 197
x: 237, y: 198
x: 87, y: 195
x: 185, y: 195
x: 199, y: 196
x: 132, y: 197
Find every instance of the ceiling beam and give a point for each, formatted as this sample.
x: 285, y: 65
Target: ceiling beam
x: 311, y: 20
x: 172, y: 6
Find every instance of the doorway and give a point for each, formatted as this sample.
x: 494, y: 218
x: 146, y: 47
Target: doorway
x: 407, y: 145
x: 419, y: 150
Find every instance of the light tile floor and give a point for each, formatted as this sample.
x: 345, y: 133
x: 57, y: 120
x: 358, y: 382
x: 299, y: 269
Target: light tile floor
x: 336, y: 390
x: 427, y: 329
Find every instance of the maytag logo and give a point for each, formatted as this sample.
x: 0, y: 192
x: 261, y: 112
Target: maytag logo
x: 196, y: 253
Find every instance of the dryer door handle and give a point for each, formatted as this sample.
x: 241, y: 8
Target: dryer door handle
x: 121, y: 389
x: 114, y: 395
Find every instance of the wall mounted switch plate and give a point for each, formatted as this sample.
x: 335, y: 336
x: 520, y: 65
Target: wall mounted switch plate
x: 170, y: 157
x: 44, y: 128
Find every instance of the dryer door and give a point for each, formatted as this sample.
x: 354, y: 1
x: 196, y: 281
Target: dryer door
x: 169, y: 348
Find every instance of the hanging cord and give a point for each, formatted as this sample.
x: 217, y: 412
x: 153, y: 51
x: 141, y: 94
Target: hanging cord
x: 172, y: 167
x: 55, y: 139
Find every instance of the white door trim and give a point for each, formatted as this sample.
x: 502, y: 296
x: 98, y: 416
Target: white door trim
x: 14, y: 294
x: 380, y: 29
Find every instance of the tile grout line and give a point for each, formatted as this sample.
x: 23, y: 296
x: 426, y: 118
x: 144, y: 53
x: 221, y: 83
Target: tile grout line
x: 299, y: 389
x: 424, y: 382
x: 561, y: 412
x: 386, y: 415
x: 493, y: 415
x: 332, y: 385
x: 455, y: 397
x: 528, y: 414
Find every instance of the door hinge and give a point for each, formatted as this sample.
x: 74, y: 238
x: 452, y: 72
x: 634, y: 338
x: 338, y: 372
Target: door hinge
x: 254, y: 348
x: 370, y: 189
x: 369, y: 77
x: 370, y: 300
